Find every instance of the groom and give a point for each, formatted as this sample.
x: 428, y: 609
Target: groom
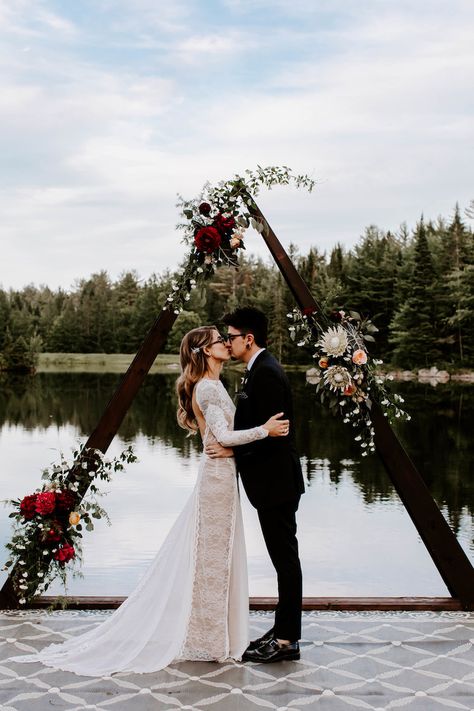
x: 271, y: 474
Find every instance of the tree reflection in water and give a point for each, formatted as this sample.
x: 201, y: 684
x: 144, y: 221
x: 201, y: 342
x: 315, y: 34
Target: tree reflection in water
x: 438, y: 438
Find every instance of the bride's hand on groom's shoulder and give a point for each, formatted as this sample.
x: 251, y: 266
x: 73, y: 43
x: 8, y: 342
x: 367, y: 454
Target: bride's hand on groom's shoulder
x: 217, y: 451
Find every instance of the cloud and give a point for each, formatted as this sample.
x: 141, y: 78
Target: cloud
x: 106, y: 121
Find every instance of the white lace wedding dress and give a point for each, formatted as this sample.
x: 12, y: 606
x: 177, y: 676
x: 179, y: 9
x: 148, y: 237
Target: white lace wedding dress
x: 192, y: 602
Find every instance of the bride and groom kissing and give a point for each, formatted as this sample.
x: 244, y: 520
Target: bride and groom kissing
x: 192, y: 601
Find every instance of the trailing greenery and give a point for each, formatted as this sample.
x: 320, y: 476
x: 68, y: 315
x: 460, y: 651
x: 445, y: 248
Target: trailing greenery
x: 417, y: 287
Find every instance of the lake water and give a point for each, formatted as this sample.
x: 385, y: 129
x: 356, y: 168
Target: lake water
x: 355, y: 536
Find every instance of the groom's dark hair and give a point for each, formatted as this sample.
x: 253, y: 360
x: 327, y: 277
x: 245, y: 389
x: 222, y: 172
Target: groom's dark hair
x: 249, y: 320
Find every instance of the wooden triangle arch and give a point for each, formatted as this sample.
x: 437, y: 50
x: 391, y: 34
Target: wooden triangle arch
x: 442, y: 545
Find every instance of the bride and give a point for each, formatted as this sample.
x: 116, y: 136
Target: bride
x: 192, y: 602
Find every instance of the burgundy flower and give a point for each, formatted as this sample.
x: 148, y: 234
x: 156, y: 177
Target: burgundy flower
x: 45, y: 502
x: 28, y: 506
x: 224, y: 224
x: 336, y: 315
x: 65, y: 500
x: 54, y: 534
x: 65, y: 553
x: 207, y: 239
x: 204, y: 208
x: 309, y: 311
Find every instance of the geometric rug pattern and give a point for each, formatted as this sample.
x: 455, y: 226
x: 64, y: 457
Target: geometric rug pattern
x: 419, y: 661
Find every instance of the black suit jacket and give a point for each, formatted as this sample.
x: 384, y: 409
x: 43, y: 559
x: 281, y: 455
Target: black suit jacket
x: 270, y: 469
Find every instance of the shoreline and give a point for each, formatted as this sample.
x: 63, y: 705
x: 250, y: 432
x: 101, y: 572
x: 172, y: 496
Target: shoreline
x: 169, y: 363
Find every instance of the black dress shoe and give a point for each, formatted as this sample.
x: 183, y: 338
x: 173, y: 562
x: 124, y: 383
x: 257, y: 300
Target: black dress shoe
x: 272, y: 651
x: 256, y: 643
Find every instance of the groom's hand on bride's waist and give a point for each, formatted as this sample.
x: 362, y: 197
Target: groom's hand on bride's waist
x: 217, y: 451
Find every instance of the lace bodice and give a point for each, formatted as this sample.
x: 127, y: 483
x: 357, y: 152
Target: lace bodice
x: 218, y: 410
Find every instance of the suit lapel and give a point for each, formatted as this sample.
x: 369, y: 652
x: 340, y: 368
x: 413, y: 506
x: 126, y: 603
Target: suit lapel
x: 258, y: 361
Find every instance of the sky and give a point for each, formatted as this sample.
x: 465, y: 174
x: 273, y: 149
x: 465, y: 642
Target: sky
x: 110, y: 108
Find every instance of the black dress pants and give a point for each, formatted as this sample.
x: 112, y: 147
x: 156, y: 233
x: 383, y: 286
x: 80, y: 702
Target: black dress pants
x: 279, y: 531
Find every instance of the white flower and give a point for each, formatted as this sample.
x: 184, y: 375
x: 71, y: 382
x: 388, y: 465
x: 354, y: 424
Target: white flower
x: 84, y: 465
x: 22, y: 601
x: 364, y: 454
x: 40, y: 575
x: 21, y: 562
x: 45, y: 552
x: 358, y: 438
x: 24, y: 575
x: 334, y: 341
x: 23, y: 587
x: 199, y: 270
x: 300, y: 343
x: 337, y: 377
x: 208, y: 259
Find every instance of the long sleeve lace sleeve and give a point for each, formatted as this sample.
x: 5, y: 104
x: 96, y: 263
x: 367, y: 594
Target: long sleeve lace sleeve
x: 209, y: 400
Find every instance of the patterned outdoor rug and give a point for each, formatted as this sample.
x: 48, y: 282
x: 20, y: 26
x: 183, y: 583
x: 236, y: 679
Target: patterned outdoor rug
x: 420, y: 661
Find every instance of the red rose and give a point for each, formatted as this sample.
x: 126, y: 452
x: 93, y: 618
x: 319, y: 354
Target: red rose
x: 224, y: 224
x: 65, y: 553
x: 45, y: 502
x: 204, y: 208
x: 28, y: 506
x: 54, y: 534
x: 207, y: 239
x: 65, y: 500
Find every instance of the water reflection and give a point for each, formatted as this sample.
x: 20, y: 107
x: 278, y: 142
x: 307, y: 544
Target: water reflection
x: 438, y: 438
x: 347, y: 519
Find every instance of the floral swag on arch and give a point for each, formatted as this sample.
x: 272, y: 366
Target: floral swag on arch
x: 48, y: 528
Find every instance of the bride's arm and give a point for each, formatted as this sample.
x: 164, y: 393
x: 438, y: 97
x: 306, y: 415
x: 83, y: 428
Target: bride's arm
x: 209, y: 402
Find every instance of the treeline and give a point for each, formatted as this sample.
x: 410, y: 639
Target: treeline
x: 418, y: 288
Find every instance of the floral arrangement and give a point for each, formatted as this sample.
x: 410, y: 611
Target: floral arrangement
x: 49, y: 522
x: 346, y: 377
x: 214, y: 224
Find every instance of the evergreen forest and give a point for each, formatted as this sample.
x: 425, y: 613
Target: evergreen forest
x: 417, y: 287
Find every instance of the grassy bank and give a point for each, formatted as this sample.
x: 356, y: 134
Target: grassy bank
x: 101, y: 363
x: 114, y: 363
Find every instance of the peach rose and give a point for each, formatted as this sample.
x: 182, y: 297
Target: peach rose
x: 359, y: 357
x: 234, y: 242
x: 323, y: 362
x: 74, y: 518
x: 350, y: 389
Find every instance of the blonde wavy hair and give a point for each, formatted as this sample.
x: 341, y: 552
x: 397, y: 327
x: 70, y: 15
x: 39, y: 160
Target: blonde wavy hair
x: 193, y: 363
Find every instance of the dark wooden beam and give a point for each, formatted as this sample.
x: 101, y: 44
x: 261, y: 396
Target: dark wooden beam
x: 269, y: 603
x: 450, y: 559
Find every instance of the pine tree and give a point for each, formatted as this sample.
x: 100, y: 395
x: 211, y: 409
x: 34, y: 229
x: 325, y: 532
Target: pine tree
x: 414, y: 324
